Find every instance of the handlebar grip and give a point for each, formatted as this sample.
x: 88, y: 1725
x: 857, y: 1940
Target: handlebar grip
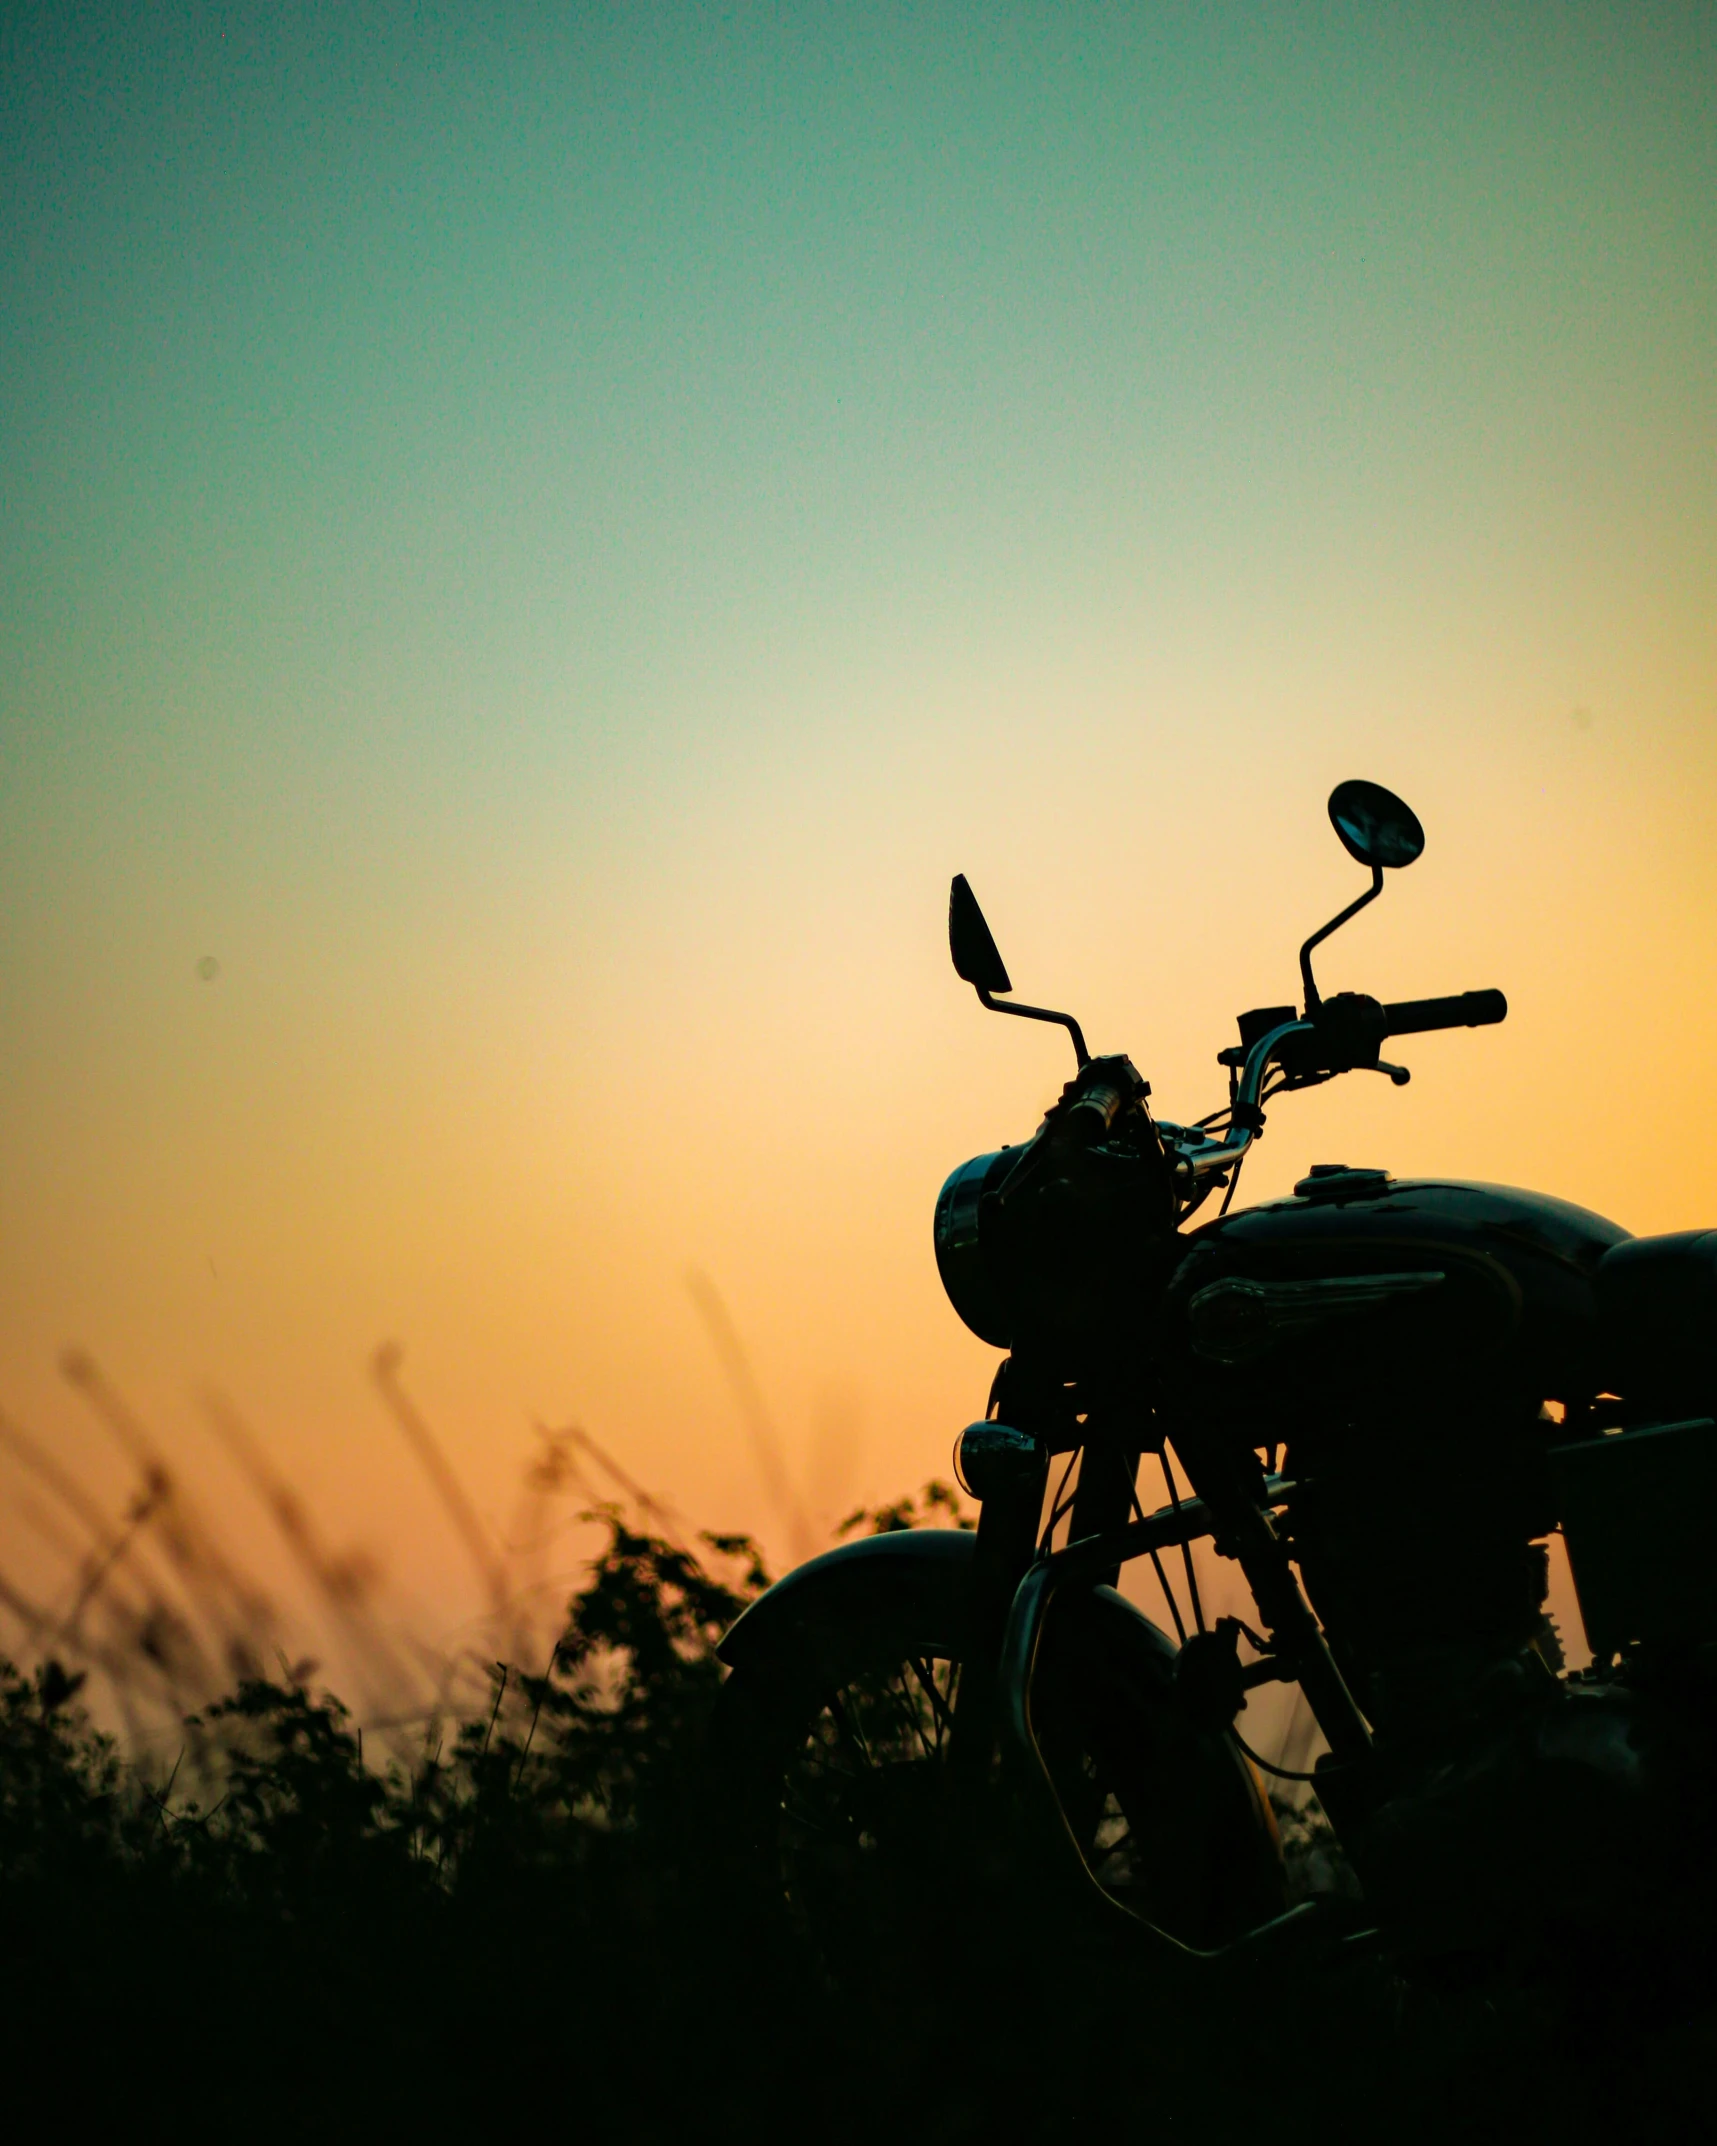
x: 1092, y: 1117
x: 1466, y: 1009
x: 1095, y: 1099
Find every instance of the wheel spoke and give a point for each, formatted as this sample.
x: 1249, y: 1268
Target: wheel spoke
x: 901, y: 1704
x: 938, y: 1705
x: 862, y: 1822
x: 850, y: 1732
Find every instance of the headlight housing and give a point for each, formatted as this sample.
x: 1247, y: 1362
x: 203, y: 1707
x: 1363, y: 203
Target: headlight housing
x: 1063, y: 1257
x: 974, y: 1287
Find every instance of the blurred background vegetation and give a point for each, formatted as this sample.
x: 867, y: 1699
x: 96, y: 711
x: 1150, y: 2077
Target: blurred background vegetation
x: 498, y: 1889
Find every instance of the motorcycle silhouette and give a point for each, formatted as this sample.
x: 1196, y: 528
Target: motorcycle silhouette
x: 1382, y: 1398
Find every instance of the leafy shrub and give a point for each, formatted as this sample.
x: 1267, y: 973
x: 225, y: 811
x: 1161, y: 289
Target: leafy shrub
x: 520, y: 1925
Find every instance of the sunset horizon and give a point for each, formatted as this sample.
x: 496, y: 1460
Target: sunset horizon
x: 536, y: 547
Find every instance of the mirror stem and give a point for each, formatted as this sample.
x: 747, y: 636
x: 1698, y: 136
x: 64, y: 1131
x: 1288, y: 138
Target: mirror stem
x: 1313, y: 1001
x: 1042, y: 1013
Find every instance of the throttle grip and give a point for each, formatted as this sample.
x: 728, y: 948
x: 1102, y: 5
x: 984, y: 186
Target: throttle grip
x: 1465, y: 1009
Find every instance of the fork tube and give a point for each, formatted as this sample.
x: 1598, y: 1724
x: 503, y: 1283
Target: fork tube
x: 1007, y: 1542
x: 1103, y: 1495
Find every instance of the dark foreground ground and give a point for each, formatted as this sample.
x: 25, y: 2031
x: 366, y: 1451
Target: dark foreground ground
x: 530, y: 1926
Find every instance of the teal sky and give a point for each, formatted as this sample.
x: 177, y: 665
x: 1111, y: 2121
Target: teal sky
x: 539, y: 536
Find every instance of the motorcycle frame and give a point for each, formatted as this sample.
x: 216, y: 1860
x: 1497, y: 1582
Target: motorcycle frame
x: 1223, y: 1508
x: 1233, y: 1504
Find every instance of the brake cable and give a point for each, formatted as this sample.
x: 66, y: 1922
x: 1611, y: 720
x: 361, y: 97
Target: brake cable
x: 1232, y: 1182
x: 1185, y: 1546
x: 1282, y: 1773
x: 1157, y: 1567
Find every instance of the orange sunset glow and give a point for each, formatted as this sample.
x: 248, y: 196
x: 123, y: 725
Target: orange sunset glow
x: 526, y: 573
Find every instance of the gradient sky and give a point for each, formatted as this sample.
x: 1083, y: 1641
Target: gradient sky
x: 537, y: 538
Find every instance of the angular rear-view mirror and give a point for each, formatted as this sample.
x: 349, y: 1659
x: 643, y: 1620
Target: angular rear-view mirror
x: 976, y: 958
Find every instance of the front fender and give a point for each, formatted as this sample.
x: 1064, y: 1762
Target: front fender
x: 925, y: 1573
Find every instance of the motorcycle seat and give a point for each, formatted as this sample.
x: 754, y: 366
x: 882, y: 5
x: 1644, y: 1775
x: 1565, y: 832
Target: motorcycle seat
x: 1657, y: 1321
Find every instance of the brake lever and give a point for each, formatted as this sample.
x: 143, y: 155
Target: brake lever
x: 1399, y: 1075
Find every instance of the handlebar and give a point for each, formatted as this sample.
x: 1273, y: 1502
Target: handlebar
x: 1466, y: 1009
x: 1247, y: 1120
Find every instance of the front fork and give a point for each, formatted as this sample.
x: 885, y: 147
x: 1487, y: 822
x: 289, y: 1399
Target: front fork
x: 1008, y: 1472
x: 1014, y: 1585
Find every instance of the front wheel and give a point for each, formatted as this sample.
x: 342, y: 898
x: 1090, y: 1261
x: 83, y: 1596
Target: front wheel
x: 838, y: 1771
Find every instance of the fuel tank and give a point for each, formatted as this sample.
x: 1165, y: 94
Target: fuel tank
x: 1362, y: 1294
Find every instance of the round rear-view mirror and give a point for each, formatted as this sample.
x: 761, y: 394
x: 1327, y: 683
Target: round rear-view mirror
x: 1375, y: 827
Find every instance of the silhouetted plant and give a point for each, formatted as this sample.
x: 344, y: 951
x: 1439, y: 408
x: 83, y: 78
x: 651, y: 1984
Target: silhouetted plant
x: 935, y: 1497
x: 66, y: 1805
x: 285, y: 1810
x: 516, y: 1923
x: 299, y: 1823
x: 621, y: 1708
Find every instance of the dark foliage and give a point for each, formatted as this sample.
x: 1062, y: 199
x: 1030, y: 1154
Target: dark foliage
x: 530, y: 1925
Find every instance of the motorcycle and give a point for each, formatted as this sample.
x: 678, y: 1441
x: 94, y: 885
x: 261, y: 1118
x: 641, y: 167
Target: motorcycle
x: 1382, y: 1399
